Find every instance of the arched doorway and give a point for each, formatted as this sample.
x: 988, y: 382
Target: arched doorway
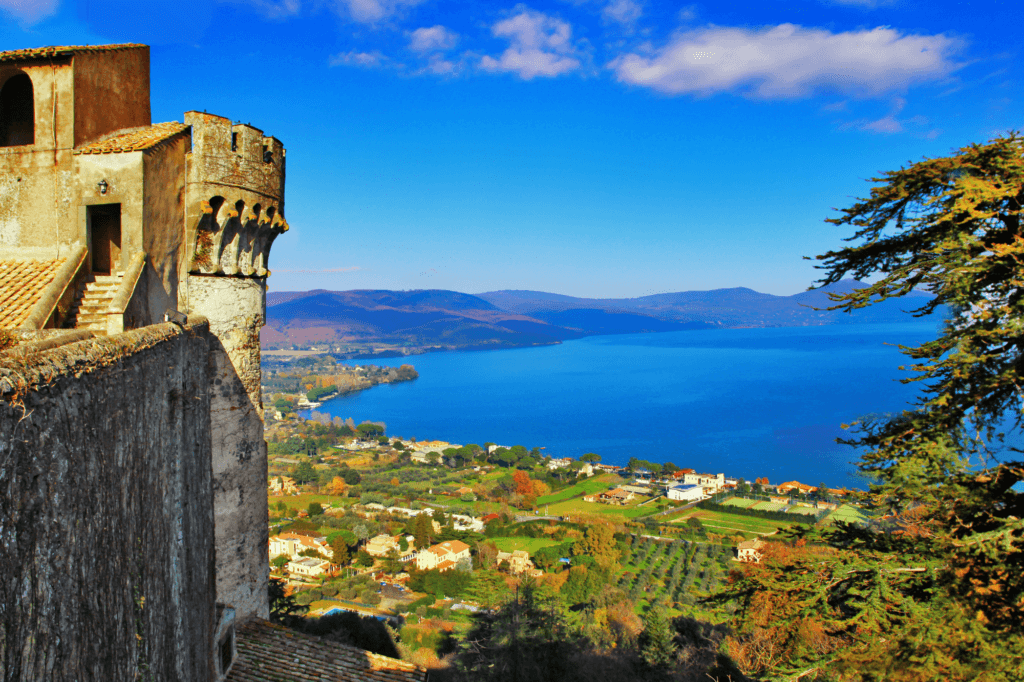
x: 17, y: 112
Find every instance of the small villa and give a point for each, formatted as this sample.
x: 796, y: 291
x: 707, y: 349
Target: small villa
x: 750, y: 551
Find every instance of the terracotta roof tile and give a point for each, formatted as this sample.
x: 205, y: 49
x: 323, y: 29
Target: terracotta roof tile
x: 61, y: 51
x: 271, y: 652
x: 21, y: 284
x: 134, y: 140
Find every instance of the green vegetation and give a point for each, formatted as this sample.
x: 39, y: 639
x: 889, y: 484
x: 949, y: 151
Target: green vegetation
x: 941, y: 595
x: 531, y: 545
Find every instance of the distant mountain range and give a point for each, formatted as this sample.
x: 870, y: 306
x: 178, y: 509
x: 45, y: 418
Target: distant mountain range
x: 432, y: 319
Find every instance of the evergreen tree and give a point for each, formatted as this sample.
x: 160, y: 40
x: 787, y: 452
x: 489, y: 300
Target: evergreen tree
x: 940, y: 594
x: 657, y: 641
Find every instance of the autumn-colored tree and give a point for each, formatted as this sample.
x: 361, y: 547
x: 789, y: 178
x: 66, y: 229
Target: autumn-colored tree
x: 337, y: 486
x: 523, y: 486
x: 942, y: 598
x: 598, y: 542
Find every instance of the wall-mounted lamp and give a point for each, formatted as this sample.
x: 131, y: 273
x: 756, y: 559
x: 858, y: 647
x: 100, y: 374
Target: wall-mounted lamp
x: 102, y: 184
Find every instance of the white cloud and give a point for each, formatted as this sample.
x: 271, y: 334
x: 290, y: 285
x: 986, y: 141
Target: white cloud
x: 433, y: 38
x: 789, y: 61
x: 364, y: 59
x: 439, y: 66
x: 373, y: 11
x: 624, y: 12
x: 539, y: 45
x: 29, y: 12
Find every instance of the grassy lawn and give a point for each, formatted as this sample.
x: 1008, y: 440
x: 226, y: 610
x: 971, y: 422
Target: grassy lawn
x: 584, y: 487
x: 301, y: 502
x: 721, y: 521
x: 577, y: 505
x: 531, y: 545
x: 739, y: 502
x: 806, y: 511
x: 847, y: 514
x: 769, y: 506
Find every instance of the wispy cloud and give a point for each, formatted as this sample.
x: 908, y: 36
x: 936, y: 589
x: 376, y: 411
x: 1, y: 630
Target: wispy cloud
x: 539, y: 45
x: 891, y: 123
x: 432, y: 39
x: 789, y: 61
x: 624, y: 12
x: 29, y: 12
x: 373, y: 11
x: 272, y: 9
x: 364, y: 59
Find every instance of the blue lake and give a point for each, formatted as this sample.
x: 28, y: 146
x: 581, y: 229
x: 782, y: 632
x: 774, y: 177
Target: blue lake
x: 747, y: 402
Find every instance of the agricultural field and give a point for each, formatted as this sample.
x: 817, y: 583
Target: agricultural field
x: 531, y: 545
x: 677, y: 572
x: 731, y: 524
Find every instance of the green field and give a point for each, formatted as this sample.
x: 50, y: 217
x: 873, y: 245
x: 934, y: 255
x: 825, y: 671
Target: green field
x: 769, y: 506
x: 806, y: 511
x: 847, y: 514
x: 584, y: 487
x: 531, y: 545
x: 739, y: 502
x: 722, y: 522
x: 577, y: 505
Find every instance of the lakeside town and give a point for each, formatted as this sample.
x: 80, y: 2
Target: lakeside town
x: 420, y: 534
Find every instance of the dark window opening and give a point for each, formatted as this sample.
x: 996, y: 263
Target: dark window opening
x: 104, y: 223
x: 215, y: 204
x: 234, y: 142
x: 268, y: 155
x: 226, y: 652
x: 17, y: 112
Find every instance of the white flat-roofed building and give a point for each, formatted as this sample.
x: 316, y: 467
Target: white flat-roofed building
x: 686, y: 493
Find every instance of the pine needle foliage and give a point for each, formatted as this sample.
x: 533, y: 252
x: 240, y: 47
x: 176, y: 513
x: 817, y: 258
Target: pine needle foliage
x: 937, y: 591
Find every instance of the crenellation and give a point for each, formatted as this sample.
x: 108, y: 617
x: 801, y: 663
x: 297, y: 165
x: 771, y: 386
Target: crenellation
x: 161, y: 423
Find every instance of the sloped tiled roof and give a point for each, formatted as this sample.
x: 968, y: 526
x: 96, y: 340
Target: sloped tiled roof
x: 272, y: 653
x: 135, y: 140
x: 22, y: 282
x: 61, y: 51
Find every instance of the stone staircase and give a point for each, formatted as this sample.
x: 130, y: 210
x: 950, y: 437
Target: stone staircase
x: 93, y: 300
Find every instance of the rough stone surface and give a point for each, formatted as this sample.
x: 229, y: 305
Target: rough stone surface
x: 235, y: 308
x: 106, y: 552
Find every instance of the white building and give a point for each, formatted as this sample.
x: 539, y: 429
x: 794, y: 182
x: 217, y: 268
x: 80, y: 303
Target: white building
x: 308, y: 567
x: 442, y: 556
x: 686, y: 493
x: 713, y: 482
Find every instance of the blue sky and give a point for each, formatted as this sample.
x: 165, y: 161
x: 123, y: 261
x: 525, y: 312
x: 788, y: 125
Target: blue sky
x: 585, y: 147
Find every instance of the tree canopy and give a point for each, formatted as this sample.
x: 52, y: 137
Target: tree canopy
x: 937, y: 592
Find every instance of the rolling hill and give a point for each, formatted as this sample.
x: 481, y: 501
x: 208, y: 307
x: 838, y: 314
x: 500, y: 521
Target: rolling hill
x: 439, y: 319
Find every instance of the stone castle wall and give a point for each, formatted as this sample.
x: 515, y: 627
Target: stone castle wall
x: 106, y: 521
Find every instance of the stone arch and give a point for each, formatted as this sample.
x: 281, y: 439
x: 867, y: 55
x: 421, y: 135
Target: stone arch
x: 17, y: 111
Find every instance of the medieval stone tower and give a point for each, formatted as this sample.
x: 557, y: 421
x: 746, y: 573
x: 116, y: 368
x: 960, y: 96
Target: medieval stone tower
x: 133, y: 266
x: 234, y: 211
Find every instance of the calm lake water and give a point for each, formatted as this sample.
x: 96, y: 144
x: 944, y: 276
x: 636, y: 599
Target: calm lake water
x: 749, y: 402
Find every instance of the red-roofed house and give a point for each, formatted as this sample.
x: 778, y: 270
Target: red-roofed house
x: 442, y: 556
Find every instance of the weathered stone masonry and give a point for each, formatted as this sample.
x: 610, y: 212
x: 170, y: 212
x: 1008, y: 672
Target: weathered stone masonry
x: 106, y: 553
